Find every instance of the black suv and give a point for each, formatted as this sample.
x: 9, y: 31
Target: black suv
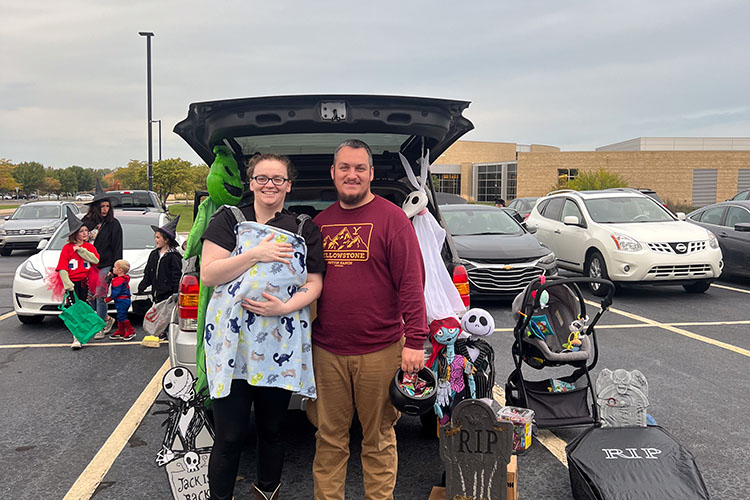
x: 308, y: 129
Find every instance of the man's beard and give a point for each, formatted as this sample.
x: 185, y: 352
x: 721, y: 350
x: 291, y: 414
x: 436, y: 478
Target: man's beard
x: 352, y: 199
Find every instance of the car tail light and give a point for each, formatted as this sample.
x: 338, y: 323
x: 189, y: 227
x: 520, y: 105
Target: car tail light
x: 188, y: 302
x: 461, y: 281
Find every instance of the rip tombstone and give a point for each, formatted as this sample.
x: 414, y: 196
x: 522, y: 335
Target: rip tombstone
x: 476, y: 449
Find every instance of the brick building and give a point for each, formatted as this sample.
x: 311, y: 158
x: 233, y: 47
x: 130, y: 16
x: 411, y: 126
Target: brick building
x: 684, y: 171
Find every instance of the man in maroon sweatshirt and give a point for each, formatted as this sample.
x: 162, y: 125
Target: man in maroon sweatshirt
x: 371, y: 321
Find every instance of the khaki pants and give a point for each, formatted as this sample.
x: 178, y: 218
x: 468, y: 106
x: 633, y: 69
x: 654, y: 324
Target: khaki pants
x: 343, y: 384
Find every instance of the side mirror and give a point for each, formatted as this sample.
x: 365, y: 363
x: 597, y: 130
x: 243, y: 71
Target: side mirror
x: 571, y: 220
x: 680, y: 215
x: 41, y: 244
x: 742, y: 227
x: 530, y: 229
x: 6, y: 217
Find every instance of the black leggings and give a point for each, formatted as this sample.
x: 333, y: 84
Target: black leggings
x: 231, y: 417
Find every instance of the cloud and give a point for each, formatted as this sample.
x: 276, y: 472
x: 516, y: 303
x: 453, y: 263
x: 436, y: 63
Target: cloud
x: 573, y: 74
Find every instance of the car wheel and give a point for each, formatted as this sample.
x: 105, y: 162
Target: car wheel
x: 5, y: 251
x: 597, y: 268
x: 698, y: 287
x: 30, y: 320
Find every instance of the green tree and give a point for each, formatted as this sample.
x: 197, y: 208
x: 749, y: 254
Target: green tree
x: 7, y: 181
x: 86, y: 177
x: 68, y: 180
x: 172, y: 175
x: 51, y: 185
x: 596, y: 180
x: 30, y: 175
x: 133, y: 176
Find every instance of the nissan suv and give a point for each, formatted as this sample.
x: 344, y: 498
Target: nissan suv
x: 308, y: 129
x: 626, y: 237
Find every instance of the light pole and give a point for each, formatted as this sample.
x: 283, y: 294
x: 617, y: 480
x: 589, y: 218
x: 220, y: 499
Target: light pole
x: 159, y: 121
x: 148, y: 36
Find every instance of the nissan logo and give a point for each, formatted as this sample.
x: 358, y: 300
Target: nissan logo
x: 680, y: 248
x: 22, y: 231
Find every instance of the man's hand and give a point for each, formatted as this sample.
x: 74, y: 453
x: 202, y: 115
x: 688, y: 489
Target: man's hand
x: 412, y: 360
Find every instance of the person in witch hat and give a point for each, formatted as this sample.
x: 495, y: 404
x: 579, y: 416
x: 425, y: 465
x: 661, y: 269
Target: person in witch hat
x: 78, y: 259
x: 105, y: 232
x: 164, y: 265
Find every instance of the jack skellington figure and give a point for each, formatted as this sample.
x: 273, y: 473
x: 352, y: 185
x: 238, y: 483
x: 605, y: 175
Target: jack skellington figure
x: 186, y: 415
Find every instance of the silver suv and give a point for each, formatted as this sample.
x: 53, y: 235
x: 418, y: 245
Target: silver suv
x: 31, y: 223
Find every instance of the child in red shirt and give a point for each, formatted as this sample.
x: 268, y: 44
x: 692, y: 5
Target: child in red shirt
x: 77, y: 260
x: 121, y: 295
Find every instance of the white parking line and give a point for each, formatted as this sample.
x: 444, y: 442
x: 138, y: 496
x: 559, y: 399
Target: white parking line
x: 741, y: 290
x: 116, y: 343
x: 94, y: 473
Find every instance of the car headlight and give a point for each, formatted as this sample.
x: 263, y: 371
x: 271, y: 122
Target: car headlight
x: 3, y: 232
x: 713, y: 241
x: 29, y: 272
x: 626, y: 243
x: 547, y: 259
x: 47, y: 230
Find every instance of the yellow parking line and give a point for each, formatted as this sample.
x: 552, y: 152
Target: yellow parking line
x: 90, y: 478
x: 7, y: 315
x: 741, y: 290
x: 680, y: 331
x: 546, y: 438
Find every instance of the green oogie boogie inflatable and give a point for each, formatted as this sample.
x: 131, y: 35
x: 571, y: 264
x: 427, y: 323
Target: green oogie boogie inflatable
x: 224, y: 184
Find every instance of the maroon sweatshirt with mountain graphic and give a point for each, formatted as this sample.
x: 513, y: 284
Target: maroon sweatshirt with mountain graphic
x: 373, y: 289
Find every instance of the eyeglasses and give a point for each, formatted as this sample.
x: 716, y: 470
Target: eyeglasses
x: 263, y: 180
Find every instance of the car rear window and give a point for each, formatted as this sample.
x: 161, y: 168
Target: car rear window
x: 134, y: 200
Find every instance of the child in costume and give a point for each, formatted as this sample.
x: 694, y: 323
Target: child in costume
x: 120, y: 294
x: 164, y: 265
x: 76, y: 268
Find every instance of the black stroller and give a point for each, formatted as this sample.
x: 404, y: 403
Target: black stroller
x: 545, y: 337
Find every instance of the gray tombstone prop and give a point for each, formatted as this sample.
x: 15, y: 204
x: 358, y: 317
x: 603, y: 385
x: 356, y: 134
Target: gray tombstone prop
x: 476, y: 448
x: 622, y: 397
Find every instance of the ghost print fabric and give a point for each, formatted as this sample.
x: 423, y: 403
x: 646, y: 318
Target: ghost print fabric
x: 271, y: 351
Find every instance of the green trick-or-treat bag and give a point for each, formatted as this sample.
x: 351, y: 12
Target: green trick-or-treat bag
x: 81, y: 319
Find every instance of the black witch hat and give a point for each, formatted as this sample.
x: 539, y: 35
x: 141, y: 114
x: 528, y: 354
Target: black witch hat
x: 100, y: 194
x: 170, y: 228
x: 74, y: 223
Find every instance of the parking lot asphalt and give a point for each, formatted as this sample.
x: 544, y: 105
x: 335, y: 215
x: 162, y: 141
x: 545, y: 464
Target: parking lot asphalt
x: 85, y: 418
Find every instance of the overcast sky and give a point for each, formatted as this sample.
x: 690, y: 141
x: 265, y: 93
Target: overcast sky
x: 573, y: 74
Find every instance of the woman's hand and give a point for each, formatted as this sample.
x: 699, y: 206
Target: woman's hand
x: 272, y: 251
x: 272, y: 306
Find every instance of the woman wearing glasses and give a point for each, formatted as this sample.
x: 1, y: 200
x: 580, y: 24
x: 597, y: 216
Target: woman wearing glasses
x: 266, y: 270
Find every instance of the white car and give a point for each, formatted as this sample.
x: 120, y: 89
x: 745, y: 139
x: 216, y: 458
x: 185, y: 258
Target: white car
x: 84, y: 197
x: 625, y: 236
x: 32, y: 300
